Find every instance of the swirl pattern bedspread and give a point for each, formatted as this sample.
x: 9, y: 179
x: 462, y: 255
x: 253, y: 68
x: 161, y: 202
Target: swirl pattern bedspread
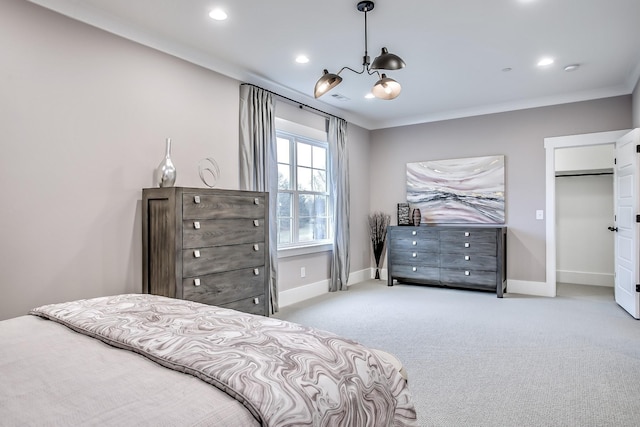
x: 285, y: 374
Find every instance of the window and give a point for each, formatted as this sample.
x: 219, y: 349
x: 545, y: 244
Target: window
x: 304, y: 199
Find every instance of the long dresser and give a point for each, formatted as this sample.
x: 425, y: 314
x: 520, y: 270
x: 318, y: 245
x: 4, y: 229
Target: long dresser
x: 472, y: 257
x: 207, y: 245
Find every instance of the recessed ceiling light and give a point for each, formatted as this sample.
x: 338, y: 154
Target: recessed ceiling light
x: 507, y: 69
x: 572, y: 67
x: 369, y: 96
x: 302, y: 59
x: 218, y: 14
x: 545, y: 61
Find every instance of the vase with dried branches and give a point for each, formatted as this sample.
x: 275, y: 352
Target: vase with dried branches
x: 378, y: 223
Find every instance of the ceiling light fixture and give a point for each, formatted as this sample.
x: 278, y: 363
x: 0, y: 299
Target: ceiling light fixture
x: 545, y: 62
x: 218, y: 14
x: 385, y: 87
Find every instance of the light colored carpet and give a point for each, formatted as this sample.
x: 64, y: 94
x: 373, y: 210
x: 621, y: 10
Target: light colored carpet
x: 477, y: 360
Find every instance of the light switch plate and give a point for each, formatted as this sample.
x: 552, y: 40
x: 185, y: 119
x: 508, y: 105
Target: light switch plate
x: 539, y: 214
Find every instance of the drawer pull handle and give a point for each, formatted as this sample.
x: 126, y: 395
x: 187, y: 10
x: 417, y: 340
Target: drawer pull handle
x: 256, y: 271
x: 196, y: 199
x: 415, y: 268
x: 196, y: 254
x: 466, y: 273
x: 196, y: 225
x: 413, y: 233
x: 256, y: 301
x: 415, y: 255
x: 256, y: 247
x: 256, y: 223
x: 467, y: 234
x: 414, y: 243
x: 467, y: 258
x: 466, y: 245
x: 196, y: 282
x: 256, y: 201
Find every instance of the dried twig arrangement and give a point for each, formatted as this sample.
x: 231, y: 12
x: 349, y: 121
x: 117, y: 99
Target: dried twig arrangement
x: 378, y: 223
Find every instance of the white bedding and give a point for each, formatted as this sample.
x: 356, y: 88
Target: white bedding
x: 53, y: 376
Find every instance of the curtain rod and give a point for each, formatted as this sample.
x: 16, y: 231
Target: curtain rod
x: 293, y: 101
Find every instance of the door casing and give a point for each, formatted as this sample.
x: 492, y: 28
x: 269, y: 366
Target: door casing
x: 550, y: 145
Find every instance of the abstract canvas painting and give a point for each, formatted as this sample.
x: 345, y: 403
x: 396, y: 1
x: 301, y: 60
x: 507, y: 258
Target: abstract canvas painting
x: 469, y: 190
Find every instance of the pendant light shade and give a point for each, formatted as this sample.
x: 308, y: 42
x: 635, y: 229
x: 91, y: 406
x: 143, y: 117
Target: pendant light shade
x: 325, y: 83
x: 387, y: 61
x: 386, y: 88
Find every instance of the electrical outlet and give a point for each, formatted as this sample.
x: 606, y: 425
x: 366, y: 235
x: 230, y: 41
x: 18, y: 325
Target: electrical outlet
x: 303, y: 272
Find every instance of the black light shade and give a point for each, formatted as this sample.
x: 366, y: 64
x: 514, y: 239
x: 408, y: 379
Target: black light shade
x: 386, y: 88
x: 325, y: 83
x: 387, y: 61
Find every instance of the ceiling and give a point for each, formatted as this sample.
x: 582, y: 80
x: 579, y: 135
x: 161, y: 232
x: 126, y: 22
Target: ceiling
x: 456, y: 51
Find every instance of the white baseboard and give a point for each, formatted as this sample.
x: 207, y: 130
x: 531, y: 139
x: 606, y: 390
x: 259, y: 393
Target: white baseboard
x: 541, y: 289
x: 302, y: 293
x: 585, y: 278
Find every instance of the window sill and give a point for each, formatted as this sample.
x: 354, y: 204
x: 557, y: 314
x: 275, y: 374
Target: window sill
x: 304, y: 250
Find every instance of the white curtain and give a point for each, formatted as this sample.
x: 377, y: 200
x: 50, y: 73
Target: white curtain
x: 257, y: 160
x: 337, y: 136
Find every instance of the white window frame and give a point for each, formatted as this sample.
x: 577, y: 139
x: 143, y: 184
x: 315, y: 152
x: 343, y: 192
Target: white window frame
x: 314, y: 137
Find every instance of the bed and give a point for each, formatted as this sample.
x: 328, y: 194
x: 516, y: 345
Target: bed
x: 147, y: 360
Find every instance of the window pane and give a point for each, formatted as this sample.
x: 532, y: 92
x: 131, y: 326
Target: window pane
x: 304, y: 154
x: 285, y: 210
x: 284, y: 231
x: 305, y: 230
x: 320, y: 228
x: 305, y: 205
x: 321, y: 205
x: 284, y: 177
x: 304, y: 179
x: 283, y: 151
x: 319, y: 158
x: 319, y: 181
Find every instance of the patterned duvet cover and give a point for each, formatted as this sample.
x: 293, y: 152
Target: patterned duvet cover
x: 285, y: 374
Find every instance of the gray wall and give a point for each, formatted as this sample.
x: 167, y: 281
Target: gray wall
x: 519, y: 135
x: 84, y: 116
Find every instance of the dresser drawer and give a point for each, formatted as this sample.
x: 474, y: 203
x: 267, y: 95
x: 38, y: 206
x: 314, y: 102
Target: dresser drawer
x: 468, y: 247
x: 418, y: 273
x: 408, y: 244
x: 468, y: 235
x: 252, y: 305
x: 198, y: 262
x: 477, y: 278
x: 203, y: 206
x: 470, y: 261
x: 413, y: 233
x: 415, y: 258
x: 223, y: 288
x: 202, y: 233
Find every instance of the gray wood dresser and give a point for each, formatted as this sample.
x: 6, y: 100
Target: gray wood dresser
x: 207, y: 245
x: 472, y: 257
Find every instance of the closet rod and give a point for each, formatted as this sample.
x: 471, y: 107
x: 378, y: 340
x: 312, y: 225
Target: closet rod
x: 293, y: 101
x: 585, y: 174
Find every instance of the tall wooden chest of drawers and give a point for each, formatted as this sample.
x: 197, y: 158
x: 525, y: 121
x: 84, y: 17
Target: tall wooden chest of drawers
x: 207, y: 245
x: 471, y: 257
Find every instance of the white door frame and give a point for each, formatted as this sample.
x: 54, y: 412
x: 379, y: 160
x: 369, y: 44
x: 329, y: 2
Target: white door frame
x: 550, y: 145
